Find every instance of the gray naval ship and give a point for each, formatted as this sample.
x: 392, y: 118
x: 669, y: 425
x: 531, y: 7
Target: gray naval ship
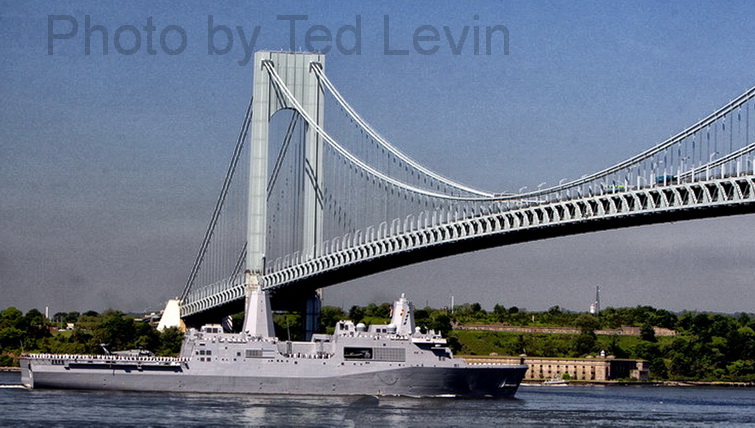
x: 393, y: 359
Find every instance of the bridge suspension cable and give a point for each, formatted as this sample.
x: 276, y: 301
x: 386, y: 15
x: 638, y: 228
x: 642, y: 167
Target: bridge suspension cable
x: 282, y: 153
x: 384, y: 143
x: 482, y: 196
x: 221, y: 201
x: 690, y: 131
x: 278, y: 82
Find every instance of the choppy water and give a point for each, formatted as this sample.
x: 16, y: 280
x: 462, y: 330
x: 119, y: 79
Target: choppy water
x: 534, y: 406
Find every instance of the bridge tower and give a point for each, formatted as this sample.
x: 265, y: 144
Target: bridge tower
x: 295, y: 69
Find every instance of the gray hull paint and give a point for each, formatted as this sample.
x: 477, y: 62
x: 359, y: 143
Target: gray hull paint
x: 407, y: 381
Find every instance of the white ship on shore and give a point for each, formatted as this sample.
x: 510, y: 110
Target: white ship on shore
x: 393, y: 359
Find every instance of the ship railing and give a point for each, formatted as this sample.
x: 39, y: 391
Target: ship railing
x: 304, y: 356
x: 82, y: 357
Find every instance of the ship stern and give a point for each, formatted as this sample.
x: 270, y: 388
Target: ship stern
x: 27, y: 375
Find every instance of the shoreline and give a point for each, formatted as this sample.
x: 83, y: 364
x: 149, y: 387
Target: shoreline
x: 662, y: 383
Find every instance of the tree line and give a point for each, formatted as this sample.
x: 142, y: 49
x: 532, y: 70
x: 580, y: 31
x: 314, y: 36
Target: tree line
x: 114, y: 330
x: 707, y: 346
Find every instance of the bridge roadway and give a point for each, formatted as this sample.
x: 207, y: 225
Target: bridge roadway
x: 412, y: 240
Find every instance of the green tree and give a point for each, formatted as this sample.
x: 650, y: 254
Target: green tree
x: 7, y: 360
x: 356, y: 313
x: 744, y: 320
x: 477, y: 309
x: 741, y: 370
x: 587, y: 323
x: 72, y: 317
x: 371, y: 310
x: 584, y: 344
x: 615, y: 349
x: 170, y: 342
x: 647, y: 351
x: 665, y: 319
x: 237, y: 321
x: 454, y: 344
x: 36, y: 324
x: 12, y: 317
x: 682, y: 357
x: 441, y: 323
x: 521, y: 345
x: 84, y: 337
x: 383, y: 310
x: 742, y: 344
x: 329, y: 316
x: 647, y: 333
x: 658, y: 368
x: 145, y: 336
x: 611, y: 318
x: 116, y: 331
x: 11, y: 338
x: 422, y: 318
x: 500, y: 313
x: 288, y: 325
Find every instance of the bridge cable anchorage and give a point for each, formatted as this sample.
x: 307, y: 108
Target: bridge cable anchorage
x: 350, y: 157
x: 383, y: 142
x: 221, y: 199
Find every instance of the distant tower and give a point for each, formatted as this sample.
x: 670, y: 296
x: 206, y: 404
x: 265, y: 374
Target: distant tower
x: 597, y: 299
x: 595, y: 307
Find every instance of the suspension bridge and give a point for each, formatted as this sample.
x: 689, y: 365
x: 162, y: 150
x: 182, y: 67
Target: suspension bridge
x: 326, y: 198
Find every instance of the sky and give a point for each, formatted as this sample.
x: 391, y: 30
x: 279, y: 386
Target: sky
x: 110, y: 163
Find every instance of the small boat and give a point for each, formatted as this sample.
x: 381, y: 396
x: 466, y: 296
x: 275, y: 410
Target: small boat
x: 556, y: 381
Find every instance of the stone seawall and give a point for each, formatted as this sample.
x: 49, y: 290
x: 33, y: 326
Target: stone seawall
x: 623, y: 331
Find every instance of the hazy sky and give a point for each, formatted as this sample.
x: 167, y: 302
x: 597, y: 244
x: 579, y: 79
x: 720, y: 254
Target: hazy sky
x: 110, y: 164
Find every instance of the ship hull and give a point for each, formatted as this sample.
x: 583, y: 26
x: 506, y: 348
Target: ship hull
x: 392, y: 359
x: 468, y: 381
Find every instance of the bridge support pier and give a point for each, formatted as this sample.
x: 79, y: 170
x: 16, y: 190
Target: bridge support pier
x: 258, y: 320
x: 312, y: 313
x: 172, y: 316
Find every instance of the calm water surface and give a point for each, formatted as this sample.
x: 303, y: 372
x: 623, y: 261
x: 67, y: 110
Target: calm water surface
x: 534, y: 406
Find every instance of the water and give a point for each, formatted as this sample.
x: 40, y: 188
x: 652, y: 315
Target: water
x: 534, y: 406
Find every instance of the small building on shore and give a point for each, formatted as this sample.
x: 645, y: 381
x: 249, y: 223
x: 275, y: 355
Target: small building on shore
x: 599, y: 369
